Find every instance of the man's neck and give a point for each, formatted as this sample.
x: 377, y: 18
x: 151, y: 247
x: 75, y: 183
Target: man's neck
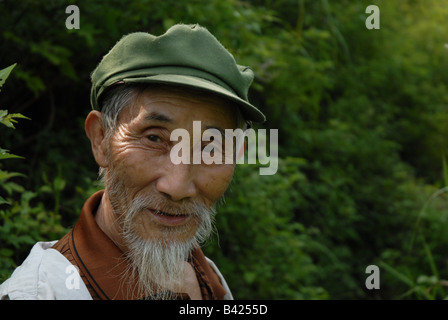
x: 106, y: 220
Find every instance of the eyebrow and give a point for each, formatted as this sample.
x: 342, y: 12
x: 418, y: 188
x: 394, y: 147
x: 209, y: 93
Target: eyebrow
x: 156, y: 116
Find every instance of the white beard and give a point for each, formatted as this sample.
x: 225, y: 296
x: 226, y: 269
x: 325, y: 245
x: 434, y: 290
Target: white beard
x: 159, y: 268
x: 157, y: 264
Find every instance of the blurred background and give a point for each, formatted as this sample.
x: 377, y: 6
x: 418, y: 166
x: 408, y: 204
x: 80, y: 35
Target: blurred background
x: 363, y: 138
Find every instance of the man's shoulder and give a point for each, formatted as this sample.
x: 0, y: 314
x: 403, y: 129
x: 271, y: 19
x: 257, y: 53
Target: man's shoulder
x: 45, y: 274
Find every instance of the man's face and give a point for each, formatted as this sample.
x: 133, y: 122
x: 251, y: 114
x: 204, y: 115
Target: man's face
x: 141, y: 171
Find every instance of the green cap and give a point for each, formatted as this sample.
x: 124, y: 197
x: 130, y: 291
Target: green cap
x: 186, y: 55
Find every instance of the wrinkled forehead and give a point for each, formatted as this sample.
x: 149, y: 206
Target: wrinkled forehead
x: 180, y: 106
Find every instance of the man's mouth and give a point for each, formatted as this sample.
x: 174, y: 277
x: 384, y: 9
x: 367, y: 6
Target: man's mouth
x: 167, y: 219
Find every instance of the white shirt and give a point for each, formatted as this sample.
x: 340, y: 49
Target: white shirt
x: 44, y: 275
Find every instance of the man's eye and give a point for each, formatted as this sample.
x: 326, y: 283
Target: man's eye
x: 154, y: 138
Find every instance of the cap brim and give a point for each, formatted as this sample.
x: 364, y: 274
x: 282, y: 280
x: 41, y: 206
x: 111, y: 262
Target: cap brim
x: 250, y: 112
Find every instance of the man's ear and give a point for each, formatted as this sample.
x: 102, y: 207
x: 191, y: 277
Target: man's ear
x: 95, y: 131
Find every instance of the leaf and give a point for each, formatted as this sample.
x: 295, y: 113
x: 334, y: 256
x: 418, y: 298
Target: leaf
x: 5, y: 155
x: 34, y: 83
x: 397, y: 274
x: 4, y: 74
x: 45, y: 189
x: 3, y: 201
x: 11, y: 187
x: 59, y: 184
x: 9, y: 119
x: 4, y: 175
x: 249, y: 277
x: 18, y: 115
x: 5, y: 252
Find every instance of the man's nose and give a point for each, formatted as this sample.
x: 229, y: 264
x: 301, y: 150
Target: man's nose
x: 178, y: 182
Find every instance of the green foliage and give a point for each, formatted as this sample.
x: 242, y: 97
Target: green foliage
x: 22, y: 222
x: 362, y: 131
x: 7, y: 119
x: 261, y: 220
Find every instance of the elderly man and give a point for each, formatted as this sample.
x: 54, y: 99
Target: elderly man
x: 140, y: 237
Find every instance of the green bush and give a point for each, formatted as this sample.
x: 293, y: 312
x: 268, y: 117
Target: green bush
x: 260, y: 246
x: 23, y: 222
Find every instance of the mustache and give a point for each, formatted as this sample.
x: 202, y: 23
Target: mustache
x: 205, y: 216
x: 161, y: 205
